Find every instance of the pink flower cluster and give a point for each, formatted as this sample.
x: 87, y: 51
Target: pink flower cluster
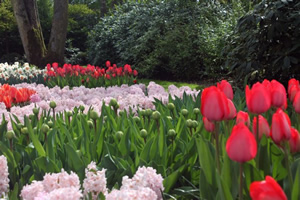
x: 95, y: 181
x: 4, y: 175
x: 138, y: 187
x: 59, y: 186
x: 133, y: 97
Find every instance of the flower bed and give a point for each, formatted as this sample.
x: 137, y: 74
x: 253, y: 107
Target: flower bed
x: 223, y: 153
x: 89, y: 76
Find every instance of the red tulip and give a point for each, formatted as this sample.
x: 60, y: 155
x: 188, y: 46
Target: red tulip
x: 209, y: 126
x: 214, y: 104
x: 243, y: 117
x: 7, y: 101
x: 107, y: 64
x: 263, y: 126
x: 294, y: 141
x: 258, y: 99
x: 225, y: 87
x: 278, y: 95
x: 296, y: 102
x: 281, y: 126
x: 134, y: 81
x: 135, y: 73
x: 266, y: 189
x: 241, y: 145
x: 107, y: 76
x: 232, y: 110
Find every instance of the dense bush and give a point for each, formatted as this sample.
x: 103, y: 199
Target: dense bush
x: 11, y: 46
x: 266, y: 42
x: 81, y: 21
x: 173, y: 40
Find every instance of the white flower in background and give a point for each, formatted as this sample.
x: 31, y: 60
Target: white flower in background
x: 4, y: 175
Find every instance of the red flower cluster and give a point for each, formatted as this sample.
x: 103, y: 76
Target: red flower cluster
x: 94, y: 71
x: 11, y: 95
x: 294, y: 93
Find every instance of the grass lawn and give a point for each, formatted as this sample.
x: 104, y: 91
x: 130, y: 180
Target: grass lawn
x: 166, y: 84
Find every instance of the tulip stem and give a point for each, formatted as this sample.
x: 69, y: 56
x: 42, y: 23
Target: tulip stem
x: 241, y: 182
x: 257, y: 141
x: 287, y: 165
x: 217, y: 146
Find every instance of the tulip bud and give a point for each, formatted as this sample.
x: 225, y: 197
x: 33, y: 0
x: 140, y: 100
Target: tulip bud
x: 10, y: 135
x: 143, y: 112
x: 119, y: 135
x: 31, y: 117
x: 189, y: 123
x: 19, y: 126
x: 171, y: 133
x: 156, y: 115
x: 69, y: 113
x: 195, y: 124
x: 90, y: 123
x: 24, y: 130
x: 169, y: 118
x: 81, y: 108
x: 35, y: 111
x: 148, y: 112
x: 136, y: 119
x: 143, y: 133
x: 113, y: 102
x: 171, y: 106
x: 121, y: 112
x: 78, y: 152
x: 196, y: 111
x: 45, y: 128
x: 50, y: 124
x: 52, y: 104
x: 184, y: 112
x: 94, y: 115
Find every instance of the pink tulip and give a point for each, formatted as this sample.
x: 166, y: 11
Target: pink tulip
x: 294, y: 141
x: 263, y: 126
x: 225, y: 87
x: 278, y: 95
x: 258, y: 99
x: 232, y: 110
x: 296, y: 102
x: 266, y: 190
x: 241, y: 145
x: 214, y: 104
x: 281, y: 126
x: 243, y: 117
x: 209, y: 126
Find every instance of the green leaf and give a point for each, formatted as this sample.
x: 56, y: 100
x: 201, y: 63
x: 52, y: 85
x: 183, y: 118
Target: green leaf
x: 36, y: 143
x: 296, y: 186
x: 171, y: 180
x: 206, y: 161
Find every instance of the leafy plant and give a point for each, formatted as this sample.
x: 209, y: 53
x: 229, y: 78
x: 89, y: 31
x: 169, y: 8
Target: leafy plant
x: 266, y: 42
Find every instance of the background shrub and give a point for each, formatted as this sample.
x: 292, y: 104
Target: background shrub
x: 266, y: 42
x: 168, y: 40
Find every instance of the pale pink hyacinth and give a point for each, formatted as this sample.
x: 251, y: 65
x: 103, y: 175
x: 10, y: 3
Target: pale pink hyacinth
x: 29, y: 192
x: 95, y: 181
x: 145, y: 177
x: 67, y: 193
x: 132, y: 194
x: 60, y: 180
x: 4, y: 175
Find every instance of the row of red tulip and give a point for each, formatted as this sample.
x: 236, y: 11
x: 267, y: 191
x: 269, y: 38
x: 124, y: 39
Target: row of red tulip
x: 11, y: 95
x: 241, y: 146
x: 95, y: 71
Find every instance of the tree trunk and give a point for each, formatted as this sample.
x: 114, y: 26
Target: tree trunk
x: 30, y: 30
x: 103, y: 8
x: 26, y: 13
